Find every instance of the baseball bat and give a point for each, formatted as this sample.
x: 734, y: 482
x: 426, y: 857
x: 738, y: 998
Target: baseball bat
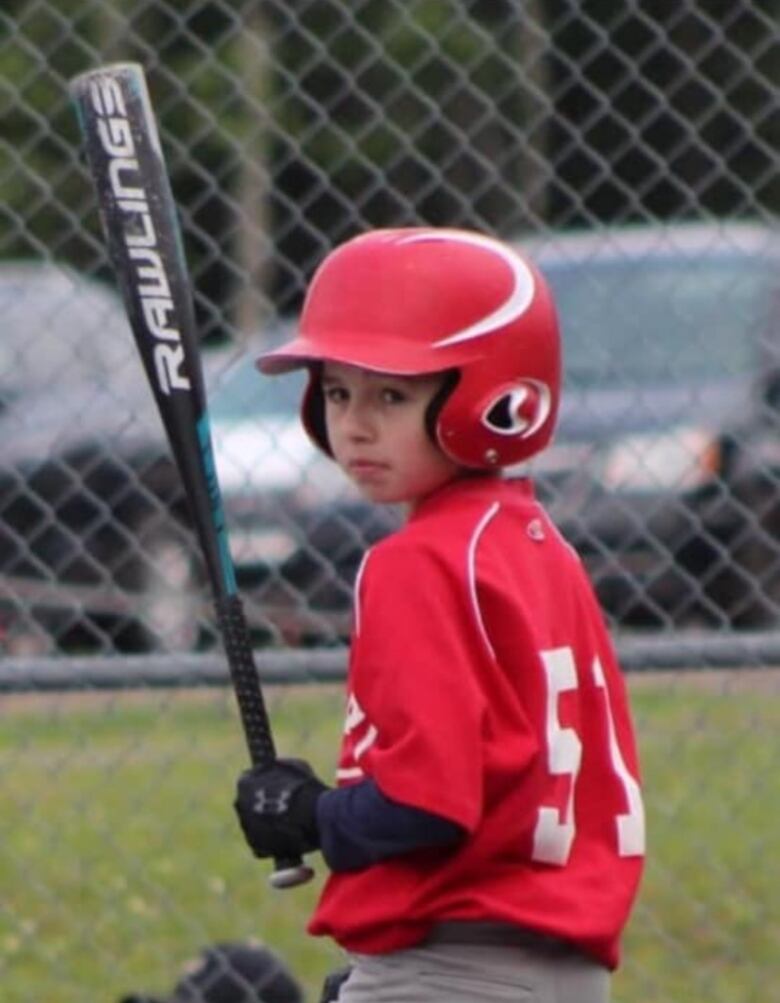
x: 144, y: 242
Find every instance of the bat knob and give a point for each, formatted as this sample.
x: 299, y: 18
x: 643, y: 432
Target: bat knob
x: 289, y: 873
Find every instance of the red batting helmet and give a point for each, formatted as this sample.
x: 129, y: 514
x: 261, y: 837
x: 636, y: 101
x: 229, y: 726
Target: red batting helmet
x: 426, y: 300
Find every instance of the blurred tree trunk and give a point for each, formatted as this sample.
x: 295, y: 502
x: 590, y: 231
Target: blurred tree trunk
x: 253, y: 242
x: 511, y: 141
x: 534, y: 47
x: 111, y: 32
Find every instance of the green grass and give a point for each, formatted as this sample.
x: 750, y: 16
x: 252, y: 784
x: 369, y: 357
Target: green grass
x: 707, y: 924
x: 120, y: 856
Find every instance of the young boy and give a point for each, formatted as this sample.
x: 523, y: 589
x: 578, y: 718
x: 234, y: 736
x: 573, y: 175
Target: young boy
x: 487, y: 832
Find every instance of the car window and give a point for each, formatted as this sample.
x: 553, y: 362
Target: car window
x: 243, y: 392
x: 57, y: 324
x: 636, y: 323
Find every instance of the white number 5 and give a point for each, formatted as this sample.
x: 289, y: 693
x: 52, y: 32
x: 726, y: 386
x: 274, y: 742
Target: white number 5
x: 556, y: 829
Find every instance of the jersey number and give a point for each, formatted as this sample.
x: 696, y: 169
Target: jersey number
x: 556, y: 829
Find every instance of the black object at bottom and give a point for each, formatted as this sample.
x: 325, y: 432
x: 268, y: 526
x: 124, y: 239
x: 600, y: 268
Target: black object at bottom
x: 333, y: 983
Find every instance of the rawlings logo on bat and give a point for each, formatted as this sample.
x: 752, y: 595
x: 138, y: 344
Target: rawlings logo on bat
x: 153, y: 287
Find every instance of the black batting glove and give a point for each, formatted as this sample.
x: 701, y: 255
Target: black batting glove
x: 277, y: 808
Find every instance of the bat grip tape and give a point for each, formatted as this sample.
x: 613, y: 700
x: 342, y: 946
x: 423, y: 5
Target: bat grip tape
x: 254, y: 716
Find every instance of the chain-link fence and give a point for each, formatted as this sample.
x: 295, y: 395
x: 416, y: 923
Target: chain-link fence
x: 632, y: 148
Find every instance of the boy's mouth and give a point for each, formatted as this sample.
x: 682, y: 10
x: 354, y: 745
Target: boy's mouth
x: 365, y: 468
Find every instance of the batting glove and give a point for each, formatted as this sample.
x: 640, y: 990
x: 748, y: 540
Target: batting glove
x: 277, y: 808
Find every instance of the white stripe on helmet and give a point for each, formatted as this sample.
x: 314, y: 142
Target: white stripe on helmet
x: 519, y: 299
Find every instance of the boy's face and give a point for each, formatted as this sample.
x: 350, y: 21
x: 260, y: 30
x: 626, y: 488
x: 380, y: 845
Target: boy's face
x: 376, y: 430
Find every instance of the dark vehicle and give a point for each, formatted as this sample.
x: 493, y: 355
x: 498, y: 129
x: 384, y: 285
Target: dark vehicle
x: 92, y: 535
x: 665, y: 472
x: 96, y: 550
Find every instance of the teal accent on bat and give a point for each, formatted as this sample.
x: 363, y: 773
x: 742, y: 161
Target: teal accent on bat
x: 215, y: 498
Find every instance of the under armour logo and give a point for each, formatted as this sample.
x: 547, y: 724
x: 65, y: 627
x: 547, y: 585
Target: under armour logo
x: 269, y: 803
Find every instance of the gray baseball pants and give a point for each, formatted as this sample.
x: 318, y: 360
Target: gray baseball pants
x: 469, y: 963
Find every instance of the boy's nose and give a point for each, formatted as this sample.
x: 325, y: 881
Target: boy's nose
x: 357, y: 422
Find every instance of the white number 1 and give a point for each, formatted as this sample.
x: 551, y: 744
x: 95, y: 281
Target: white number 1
x: 556, y: 829
x: 631, y: 826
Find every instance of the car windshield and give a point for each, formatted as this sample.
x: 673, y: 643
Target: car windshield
x: 635, y: 323
x: 245, y: 393
x: 58, y: 325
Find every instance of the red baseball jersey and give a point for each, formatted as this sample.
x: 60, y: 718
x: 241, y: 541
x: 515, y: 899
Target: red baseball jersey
x: 483, y: 687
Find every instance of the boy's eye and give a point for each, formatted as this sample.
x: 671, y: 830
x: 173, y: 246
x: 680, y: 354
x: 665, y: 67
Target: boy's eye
x: 392, y: 396
x: 335, y: 394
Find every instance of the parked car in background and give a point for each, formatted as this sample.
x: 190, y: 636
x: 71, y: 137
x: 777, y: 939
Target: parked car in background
x: 91, y: 512
x: 665, y: 472
x: 96, y: 549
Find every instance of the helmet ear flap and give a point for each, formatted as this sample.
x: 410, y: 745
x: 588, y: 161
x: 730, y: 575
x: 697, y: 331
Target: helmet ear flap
x: 519, y: 410
x: 490, y: 427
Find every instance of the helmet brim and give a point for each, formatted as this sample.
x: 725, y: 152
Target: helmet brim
x: 385, y: 355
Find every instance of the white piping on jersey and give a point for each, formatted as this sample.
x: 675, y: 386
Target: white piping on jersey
x: 472, y: 574
x: 349, y: 773
x: 471, y: 577
x: 519, y: 299
x: 366, y: 742
x: 356, y: 593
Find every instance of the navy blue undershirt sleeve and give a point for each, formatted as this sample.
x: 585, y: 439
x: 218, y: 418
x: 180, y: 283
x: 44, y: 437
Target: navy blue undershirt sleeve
x: 359, y: 826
